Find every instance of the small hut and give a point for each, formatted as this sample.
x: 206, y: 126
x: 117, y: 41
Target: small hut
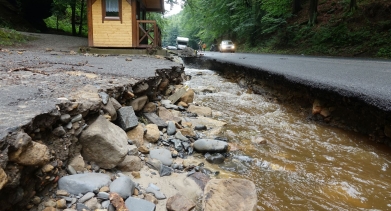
x: 123, y: 24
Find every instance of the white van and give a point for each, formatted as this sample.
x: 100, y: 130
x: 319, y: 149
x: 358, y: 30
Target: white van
x: 181, y: 42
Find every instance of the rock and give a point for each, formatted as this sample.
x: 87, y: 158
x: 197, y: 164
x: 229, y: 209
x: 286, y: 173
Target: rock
x: 316, y: 107
x: 155, y: 192
x: 151, y: 198
x: 139, y: 88
x: 105, y: 97
x: 124, y: 186
x: 136, y: 135
x: 118, y: 202
x: 47, y: 168
x: 62, y: 193
x: 71, y: 170
x: 115, y: 103
x: 153, y: 134
x: 104, y: 143
x: 200, y: 179
x: 93, y: 204
x: 230, y: 194
x: 49, y: 209
x: 258, y: 140
x: 163, y: 155
x: 136, y: 174
x: 215, y: 158
x: 163, y: 84
x: 179, y: 203
x: 132, y: 150
x: 143, y: 149
x: 150, y: 108
x: 208, y: 122
x: 83, y: 183
x: 139, y: 204
x: 103, y: 195
x: 188, y: 132
x: 138, y: 103
x: 181, y: 137
x: 387, y: 131
x: 210, y: 145
x: 61, y: 204
x: 188, y: 97
x: 171, y: 129
x: 59, y: 131
x: 76, y: 118
x: 36, y: 200
x: 183, y: 104
x: 36, y: 154
x: 86, y: 197
x: 50, y: 203
x: 200, y: 110
x: 325, y: 112
x: 177, y: 144
x: 178, y: 94
x: 154, y: 119
x: 77, y: 163
x: 130, y: 163
x: 65, y: 118
x: 126, y: 118
x: 165, y: 170
x: 105, y: 204
x: 166, y: 115
x: 110, y: 109
x: 104, y: 189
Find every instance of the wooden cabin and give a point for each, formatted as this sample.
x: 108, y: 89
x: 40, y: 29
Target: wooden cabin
x: 122, y: 24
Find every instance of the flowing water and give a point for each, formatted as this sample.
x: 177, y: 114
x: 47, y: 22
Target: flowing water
x: 305, y: 165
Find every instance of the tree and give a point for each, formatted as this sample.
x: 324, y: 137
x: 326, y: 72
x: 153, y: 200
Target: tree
x: 296, y: 6
x: 313, y: 12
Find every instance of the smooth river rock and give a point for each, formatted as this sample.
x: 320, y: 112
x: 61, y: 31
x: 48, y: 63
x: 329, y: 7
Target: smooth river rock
x: 230, y: 195
x: 210, y: 145
x: 123, y: 185
x: 83, y: 183
x: 163, y: 155
x: 104, y: 143
x: 139, y: 204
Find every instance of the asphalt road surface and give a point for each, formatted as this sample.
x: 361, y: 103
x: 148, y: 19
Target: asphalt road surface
x: 367, y: 79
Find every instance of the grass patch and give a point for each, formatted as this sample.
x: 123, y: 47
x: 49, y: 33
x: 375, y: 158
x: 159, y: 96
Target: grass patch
x: 9, y: 37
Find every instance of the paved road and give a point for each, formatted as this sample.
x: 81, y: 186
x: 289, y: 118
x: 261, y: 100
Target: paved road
x: 370, y: 80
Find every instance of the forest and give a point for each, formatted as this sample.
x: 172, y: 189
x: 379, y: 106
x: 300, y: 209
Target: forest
x: 352, y: 28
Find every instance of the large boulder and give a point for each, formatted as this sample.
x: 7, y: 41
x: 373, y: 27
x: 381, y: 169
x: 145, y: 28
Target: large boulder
x: 230, y: 194
x: 83, y: 183
x: 210, y: 145
x: 104, y: 143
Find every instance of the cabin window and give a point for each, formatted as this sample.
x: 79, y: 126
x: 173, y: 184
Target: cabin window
x: 111, y: 9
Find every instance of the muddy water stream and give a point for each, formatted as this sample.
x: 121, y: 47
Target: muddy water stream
x: 305, y: 165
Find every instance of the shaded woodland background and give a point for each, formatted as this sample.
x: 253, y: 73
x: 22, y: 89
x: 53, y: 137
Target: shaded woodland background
x: 311, y: 27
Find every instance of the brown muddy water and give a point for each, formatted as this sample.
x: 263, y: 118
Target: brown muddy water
x: 305, y: 165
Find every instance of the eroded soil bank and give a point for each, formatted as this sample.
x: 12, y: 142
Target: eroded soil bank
x: 322, y: 105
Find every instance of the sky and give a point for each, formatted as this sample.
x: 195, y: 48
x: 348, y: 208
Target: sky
x: 175, y: 10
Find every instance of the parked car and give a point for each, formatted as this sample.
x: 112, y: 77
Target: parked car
x: 227, y: 46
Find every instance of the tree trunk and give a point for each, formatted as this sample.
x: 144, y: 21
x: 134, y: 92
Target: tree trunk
x: 81, y: 16
x: 353, y: 5
x: 73, y: 8
x: 57, y: 22
x: 313, y: 12
x: 296, y: 6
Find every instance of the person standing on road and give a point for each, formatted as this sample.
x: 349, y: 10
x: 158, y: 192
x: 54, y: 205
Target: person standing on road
x: 203, y: 46
x: 200, y: 45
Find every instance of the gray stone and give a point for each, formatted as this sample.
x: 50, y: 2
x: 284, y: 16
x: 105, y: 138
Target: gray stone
x: 210, y: 145
x: 215, y: 158
x: 177, y: 144
x: 126, y: 118
x: 171, y: 129
x: 105, y: 204
x: 71, y: 170
x: 165, y: 170
x: 115, y: 103
x: 65, y: 118
x: 82, y: 207
x: 154, y: 119
x: 59, y: 131
x: 124, y: 186
x: 139, y: 103
x: 77, y: 118
x: 93, y: 204
x: 159, y: 195
x: 200, y: 127
x: 132, y: 150
x: 83, y: 183
x: 179, y: 135
x: 105, y: 97
x: 130, y: 163
x: 109, y: 108
x: 86, y: 197
x: 163, y: 155
x: 103, y: 195
x: 104, y: 143
x: 139, y: 204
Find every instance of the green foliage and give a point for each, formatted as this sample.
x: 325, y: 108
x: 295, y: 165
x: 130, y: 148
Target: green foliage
x: 11, y: 37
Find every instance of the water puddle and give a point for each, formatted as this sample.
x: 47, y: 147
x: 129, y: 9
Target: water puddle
x: 304, y: 165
